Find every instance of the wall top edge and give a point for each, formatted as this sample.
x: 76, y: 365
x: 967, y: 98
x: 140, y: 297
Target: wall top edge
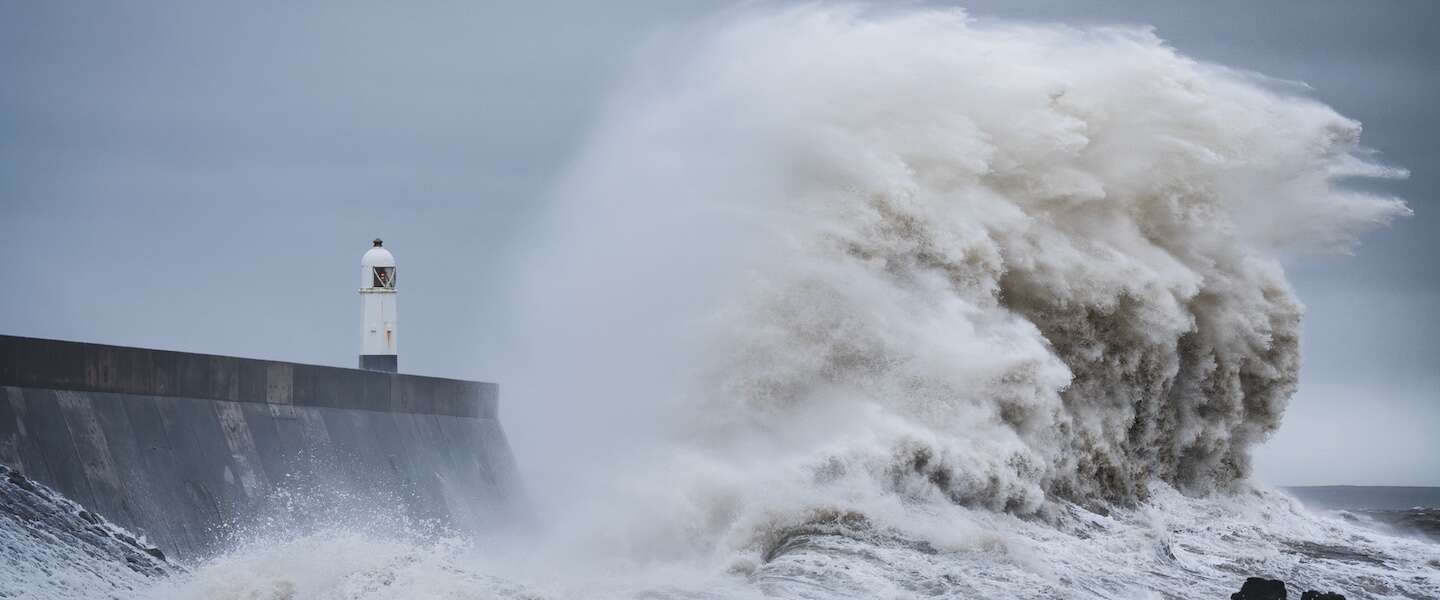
x: 84, y: 366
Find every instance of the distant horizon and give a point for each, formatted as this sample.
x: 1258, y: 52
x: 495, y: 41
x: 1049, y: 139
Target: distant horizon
x: 1333, y: 485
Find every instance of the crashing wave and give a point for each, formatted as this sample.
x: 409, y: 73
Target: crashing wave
x: 901, y: 264
x: 1040, y: 262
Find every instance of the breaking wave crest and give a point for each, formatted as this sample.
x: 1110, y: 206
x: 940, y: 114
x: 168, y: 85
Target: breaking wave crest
x: 1048, y: 254
x: 993, y: 264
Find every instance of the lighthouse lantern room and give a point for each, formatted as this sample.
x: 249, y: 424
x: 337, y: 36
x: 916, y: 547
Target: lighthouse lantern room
x: 377, y: 310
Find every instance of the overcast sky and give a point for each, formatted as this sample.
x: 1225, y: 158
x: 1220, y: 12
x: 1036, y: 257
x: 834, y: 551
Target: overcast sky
x: 205, y: 178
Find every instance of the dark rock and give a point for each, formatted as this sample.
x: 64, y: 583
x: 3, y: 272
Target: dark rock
x: 1257, y: 588
x: 68, y: 529
x: 18, y: 479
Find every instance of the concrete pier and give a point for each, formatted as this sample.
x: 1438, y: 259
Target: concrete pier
x: 184, y: 447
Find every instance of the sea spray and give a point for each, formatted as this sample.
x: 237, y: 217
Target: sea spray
x: 989, y: 264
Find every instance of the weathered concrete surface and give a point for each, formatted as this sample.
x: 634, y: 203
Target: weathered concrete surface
x: 380, y: 362
x: 179, y: 446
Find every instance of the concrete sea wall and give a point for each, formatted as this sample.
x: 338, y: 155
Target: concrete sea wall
x: 186, y: 447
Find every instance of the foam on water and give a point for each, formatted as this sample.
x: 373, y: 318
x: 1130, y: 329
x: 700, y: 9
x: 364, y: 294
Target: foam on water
x: 1172, y: 547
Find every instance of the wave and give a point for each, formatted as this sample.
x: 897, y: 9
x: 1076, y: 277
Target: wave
x: 989, y: 264
x: 1174, y: 546
x: 905, y: 263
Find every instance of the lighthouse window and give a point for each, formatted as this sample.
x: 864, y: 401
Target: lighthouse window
x: 384, y: 277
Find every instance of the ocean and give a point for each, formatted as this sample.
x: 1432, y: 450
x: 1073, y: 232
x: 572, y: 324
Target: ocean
x: 1171, y: 547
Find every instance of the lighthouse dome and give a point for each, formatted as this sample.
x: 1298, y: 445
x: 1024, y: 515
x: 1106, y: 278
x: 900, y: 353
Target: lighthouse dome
x: 378, y: 256
x: 377, y: 268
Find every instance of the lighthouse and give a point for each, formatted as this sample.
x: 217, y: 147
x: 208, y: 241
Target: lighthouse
x: 377, y: 310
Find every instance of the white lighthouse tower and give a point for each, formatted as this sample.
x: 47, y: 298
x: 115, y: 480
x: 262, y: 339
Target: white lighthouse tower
x: 377, y: 310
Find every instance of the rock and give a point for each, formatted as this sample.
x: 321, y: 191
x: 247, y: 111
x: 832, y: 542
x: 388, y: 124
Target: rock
x: 61, y: 528
x: 1258, y: 588
x: 19, y: 480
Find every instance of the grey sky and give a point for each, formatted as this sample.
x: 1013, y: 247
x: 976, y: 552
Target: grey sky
x: 205, y: 178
